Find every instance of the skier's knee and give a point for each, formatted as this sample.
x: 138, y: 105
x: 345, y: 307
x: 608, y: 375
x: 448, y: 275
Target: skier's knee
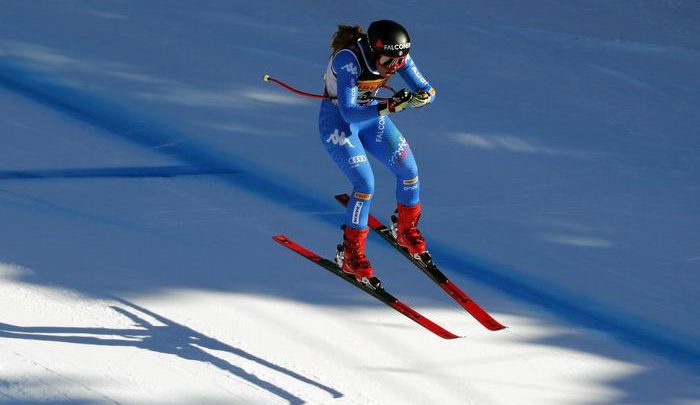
x: 364, y: 184
x: 405, y: 169
x: 365, y: 190
x: 409, y: 183
x: 408, y: 175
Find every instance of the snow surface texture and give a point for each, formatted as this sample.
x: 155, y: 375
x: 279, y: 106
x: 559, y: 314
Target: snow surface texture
x: 145, y: 166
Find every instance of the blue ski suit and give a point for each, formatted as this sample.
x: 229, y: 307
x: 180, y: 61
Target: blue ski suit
x: 350, y: 126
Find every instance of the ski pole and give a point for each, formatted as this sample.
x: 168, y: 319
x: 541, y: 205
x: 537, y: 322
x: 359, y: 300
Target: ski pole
x: 269, y: 78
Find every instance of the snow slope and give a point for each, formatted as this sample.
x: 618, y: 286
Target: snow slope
x: 145, y: 166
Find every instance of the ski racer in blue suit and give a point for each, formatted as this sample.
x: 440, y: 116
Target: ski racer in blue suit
x: 352, y: 122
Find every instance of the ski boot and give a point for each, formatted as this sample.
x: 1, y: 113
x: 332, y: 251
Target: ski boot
x: 350, y: 256
x: 405, y: 231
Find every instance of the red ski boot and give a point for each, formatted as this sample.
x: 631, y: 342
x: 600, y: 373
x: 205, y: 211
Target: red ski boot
x: 404, y: 228
x: 350, y: 256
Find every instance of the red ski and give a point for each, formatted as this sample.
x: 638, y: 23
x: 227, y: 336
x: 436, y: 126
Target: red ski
x: 379, y: 292
x: 426, y: 265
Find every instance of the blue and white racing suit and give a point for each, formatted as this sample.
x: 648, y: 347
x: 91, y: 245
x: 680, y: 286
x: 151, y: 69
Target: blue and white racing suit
x: 350, y: 126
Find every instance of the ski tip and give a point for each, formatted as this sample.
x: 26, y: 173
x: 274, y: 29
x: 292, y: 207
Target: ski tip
x: 493, y: 325
x: 445, y: 334
x: 451, y: 336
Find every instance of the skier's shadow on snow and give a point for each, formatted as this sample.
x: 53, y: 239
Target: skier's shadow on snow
x: 169, y: 338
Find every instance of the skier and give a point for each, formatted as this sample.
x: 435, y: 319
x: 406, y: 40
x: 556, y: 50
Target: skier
x: 352, y: 122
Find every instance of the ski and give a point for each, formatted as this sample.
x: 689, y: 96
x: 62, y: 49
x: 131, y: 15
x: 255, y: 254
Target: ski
x: 379, y: 292
x: 427, y: 266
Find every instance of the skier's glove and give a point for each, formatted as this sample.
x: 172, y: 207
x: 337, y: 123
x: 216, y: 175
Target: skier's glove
x: 420, y: 98
x: 396, y: 103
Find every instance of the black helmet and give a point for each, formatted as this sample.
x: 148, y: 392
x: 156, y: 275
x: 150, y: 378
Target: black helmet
x: 388, y: 38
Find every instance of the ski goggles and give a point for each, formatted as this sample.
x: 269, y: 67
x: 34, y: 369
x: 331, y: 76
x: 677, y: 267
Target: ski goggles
x: 392, y: 63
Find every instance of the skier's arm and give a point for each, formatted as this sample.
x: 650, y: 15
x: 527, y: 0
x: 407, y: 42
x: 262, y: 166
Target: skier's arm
x: 347, y: 70
x: 417, y: 83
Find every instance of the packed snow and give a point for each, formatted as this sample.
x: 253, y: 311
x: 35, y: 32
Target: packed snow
x: 145, y: 166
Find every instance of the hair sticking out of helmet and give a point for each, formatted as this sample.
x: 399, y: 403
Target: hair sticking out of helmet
x: 345, y: 36
x: 388, y: 38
